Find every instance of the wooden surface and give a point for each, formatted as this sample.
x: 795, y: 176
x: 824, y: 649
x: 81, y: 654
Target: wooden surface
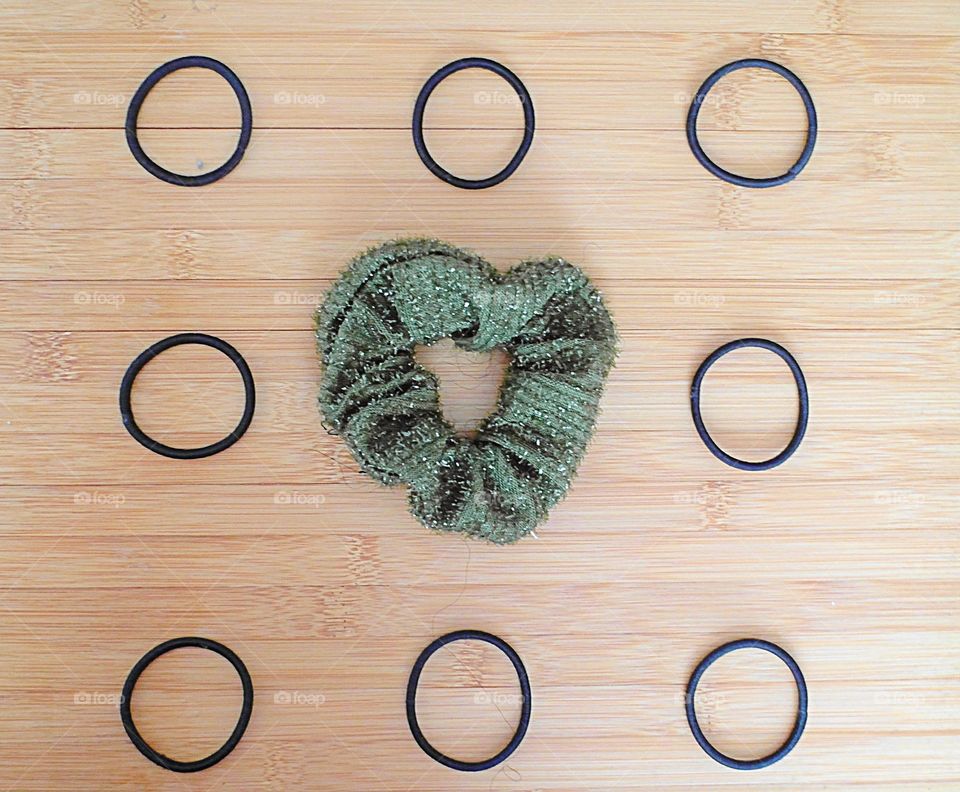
x: 847, y: 555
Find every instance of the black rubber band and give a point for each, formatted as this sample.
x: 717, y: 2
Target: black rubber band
x: 733, y: 178
x: 246, y: 121
x: 802, y: 417
x: 421, y: 104
x: 512, y: 656
x: 232, y: 740
x: 798, y: 726
x: 126, y: 388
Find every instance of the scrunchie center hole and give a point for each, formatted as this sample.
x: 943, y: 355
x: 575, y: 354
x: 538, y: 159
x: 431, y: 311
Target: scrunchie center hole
x: 469, y: 382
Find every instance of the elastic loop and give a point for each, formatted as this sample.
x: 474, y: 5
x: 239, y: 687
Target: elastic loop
x: 512, y: 656
x: 246, y: 121
x: 528, y: 122
x: 245, y: 711
x: 733, y: 178
x: 802, y: 417
x: 126, y: 389
x: 798, y: 726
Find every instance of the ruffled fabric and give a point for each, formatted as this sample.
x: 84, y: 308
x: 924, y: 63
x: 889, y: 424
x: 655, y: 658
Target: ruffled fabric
x: 547, y: 317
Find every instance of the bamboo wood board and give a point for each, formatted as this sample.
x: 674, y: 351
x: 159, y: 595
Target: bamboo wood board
x: 847, y: 555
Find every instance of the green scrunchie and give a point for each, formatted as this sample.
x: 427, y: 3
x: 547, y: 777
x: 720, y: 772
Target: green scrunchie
x: 545, y: 314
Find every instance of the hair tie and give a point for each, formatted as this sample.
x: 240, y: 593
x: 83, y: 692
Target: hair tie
x: 126, y: 390
x: 528, y: 122
x: 802, y: 416
x: 799, y: 723
x: 246, y: 121
x: 245, y: 711
x: 526, y: 703
x: 733, y: 178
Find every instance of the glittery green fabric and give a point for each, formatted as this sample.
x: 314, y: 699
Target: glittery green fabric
x: 561, y: 342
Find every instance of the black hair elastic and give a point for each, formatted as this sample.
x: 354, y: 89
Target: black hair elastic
x: 798, y: 726
x: 246, y: 121
x: 802, y: 417
x: 234, y: 738
x: 126, y: 387
x: 512, y: 656
x: 733, y: 178
x: 421, y: 104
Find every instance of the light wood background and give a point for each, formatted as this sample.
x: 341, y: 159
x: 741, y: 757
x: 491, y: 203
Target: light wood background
x: 847, y: 555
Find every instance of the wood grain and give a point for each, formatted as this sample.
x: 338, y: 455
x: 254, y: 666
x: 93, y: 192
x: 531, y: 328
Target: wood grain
x: 280, y: 548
